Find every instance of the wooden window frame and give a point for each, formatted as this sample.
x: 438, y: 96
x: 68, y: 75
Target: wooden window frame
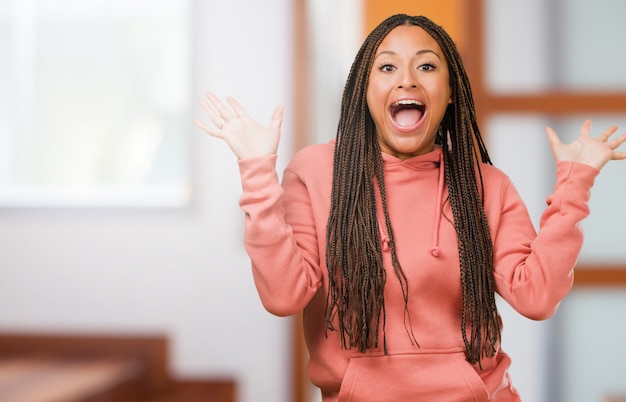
x: 551, y: 103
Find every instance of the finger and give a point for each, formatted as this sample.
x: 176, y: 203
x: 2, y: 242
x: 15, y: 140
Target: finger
x: 216, y: 119
x: 615, y: 143
x: 618, y: 156
x: 239, y: 110
x: 606, y: 134
x: 553, y: 138
x: 209, y: 130
x: 554, y: 141
x: 277, y: 118
x: 222, y: 110
x: 585, y: 130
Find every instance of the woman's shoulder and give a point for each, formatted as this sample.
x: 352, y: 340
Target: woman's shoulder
x: 316, y: 156
x: 493, y: 176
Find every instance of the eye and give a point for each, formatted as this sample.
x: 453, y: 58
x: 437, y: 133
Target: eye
x: 386, y: 68
x: 426, y: 67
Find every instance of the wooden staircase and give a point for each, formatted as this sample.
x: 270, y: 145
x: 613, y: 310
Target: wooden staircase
x: 69, y: 368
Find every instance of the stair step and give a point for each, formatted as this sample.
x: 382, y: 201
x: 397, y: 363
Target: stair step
x: 56, y: 379
x: 199, y: 391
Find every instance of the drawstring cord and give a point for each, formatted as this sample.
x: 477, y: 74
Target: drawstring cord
x: 436, y: 250
x: 384, y: 238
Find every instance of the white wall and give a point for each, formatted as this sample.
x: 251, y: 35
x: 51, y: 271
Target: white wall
x: 179, y: 272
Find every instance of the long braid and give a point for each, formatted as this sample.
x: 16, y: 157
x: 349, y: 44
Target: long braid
x: 395, y: 262
x: 354, y: 255
x: 463, y: 176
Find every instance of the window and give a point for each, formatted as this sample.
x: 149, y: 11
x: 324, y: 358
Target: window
x: 94, y: 97
x: 558, y: 63
x: 559, y: 71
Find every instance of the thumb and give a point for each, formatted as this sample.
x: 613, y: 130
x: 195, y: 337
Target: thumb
x: 553, y: 140
x: 277, y: 118
x: 552, y: 136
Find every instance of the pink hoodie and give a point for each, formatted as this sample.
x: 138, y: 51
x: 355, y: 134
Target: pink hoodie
x: 285, y: 234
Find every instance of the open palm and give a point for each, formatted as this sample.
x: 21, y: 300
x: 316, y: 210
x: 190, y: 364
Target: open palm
x: 245, y: 137
x: 585, y: 149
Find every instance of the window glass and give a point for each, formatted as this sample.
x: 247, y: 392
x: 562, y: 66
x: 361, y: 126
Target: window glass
x: 517, y: 52
x: 574, y: 45
x: 94, y: 102
x: 591, y: 45
x: 335, y: 39
x: 590, y: 326
x: 517, y: 145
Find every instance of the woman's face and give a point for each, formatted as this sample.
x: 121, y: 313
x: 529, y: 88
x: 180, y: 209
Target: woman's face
x: 408, y: 91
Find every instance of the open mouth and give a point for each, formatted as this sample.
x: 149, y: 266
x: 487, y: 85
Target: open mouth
x: 407, y: 112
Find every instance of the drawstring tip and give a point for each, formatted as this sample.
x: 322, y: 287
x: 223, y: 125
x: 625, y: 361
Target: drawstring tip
x: 435, y: 251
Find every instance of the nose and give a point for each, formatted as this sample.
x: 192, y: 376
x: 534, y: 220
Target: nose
x: 407, y: 79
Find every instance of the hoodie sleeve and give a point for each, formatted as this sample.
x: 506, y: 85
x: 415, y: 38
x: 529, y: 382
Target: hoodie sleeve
x: 534, y: 272
x: 285, y: 273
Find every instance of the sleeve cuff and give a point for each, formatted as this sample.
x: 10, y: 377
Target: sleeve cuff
x: 258, y: 173
x: 583, y: 175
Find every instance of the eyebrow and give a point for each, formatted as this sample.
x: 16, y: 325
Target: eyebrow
x: 418, y: 53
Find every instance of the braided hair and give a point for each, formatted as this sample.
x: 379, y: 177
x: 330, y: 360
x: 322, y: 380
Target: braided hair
x: 354, y: 255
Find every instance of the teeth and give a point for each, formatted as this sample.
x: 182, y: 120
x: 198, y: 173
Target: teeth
x: 408, y: 102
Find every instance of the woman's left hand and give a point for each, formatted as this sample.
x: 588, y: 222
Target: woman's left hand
x: 595, y: 152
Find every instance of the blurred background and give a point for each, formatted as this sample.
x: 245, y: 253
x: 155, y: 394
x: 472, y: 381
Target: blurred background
x: 118, y: 217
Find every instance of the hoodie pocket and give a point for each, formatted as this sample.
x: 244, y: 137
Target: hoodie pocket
x: 424, y: 377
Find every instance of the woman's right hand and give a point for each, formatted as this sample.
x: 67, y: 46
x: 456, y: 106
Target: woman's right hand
x: 245, y: 137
